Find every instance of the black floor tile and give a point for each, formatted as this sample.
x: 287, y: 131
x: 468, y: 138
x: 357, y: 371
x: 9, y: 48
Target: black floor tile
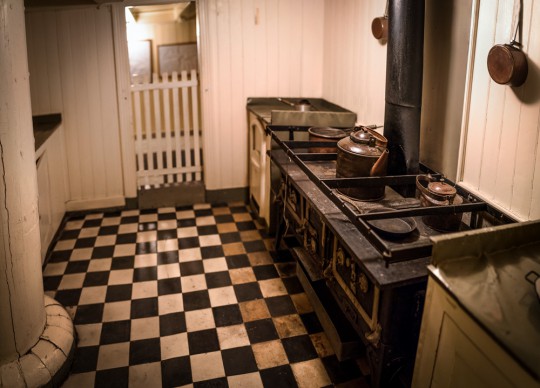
x: 248, y: 291
x: 203, y: 341
x: 167, y: 234
x: 103, y: 252
x: 246, y: 225
x: 228, y: 238
x: 254, y: 246
x: 108, y: 230
x: 60, y: 256
x: 227, y: 315
x: 207, y: 230
x: 166, y: 216
x: 144, y: 274
x: 186, y: 223
x: 51, y: 283
x: 214, y: 383
x: 299, y: 348
x: 176, y: 372
x: 263, y: 272
x: 191, y: 268
x: 144, y: 351
x: 173, y: 323
x: 188, y: 242
x: 69, y: 234
x: 128, y: 238
x: 196, y: 300
x: 212, y: 252
x: 100, y: 278
x: 92, y: 223
x: 293, y: 285
x: 115, y: 332
x: 170, y: 257
x: 169, y: 286
x: 129, y: 220
x: 261, y: 330
x: 85, y: 359
x: 124, y: 262
x: 68, y: 297
x: 86, y: 242
x: 203, y: 212
x: 280, y: 376
x: 218, y: 279
x: 224, y: 218
x: 89, y: 313
x: 118, y: 293
x: 143, y: 308
x: 238, y: 209
x: 239, y: 361
x: 280, y: 305
x: 237, y: 261
x: 113, y: 378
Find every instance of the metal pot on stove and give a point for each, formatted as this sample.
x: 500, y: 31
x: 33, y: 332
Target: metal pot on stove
x: 362, y: 154
x: 438, y: 193
x: 325, y: 134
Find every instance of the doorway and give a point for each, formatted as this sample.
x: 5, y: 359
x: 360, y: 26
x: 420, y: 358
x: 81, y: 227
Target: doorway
x: 165, y: 103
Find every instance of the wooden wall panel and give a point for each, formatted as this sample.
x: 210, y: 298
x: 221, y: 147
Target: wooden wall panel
x: 501, y: 151
x: 252, y: 48
x: 354, y: 61
x: 75, y: 75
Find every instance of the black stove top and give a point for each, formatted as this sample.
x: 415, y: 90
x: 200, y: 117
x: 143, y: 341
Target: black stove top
x: 384, y: 223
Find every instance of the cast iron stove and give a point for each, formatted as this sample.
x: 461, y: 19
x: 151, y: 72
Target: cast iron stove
x: 377, y: 279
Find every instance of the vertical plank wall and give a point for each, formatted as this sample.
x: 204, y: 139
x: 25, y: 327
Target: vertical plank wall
x: 71, y: 63
x: 501, y: 152
x: 252, y: 48
x: 354, y: 61
x: 355, y: 71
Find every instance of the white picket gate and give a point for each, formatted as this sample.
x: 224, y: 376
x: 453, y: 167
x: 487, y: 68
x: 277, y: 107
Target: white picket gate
x: 167, y: 133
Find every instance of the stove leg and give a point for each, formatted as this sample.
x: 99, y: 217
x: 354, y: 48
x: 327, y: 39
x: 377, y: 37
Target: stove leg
x: 279, y: 233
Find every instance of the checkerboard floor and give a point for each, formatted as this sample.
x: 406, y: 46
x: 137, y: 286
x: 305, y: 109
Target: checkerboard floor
x: 190, y: 296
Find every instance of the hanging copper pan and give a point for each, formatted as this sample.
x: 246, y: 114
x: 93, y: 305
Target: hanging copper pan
x: 507, y: 64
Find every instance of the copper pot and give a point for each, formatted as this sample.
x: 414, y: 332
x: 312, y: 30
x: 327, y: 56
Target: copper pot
x: 379, y: 28
x: 507, y: 65
x: 437, y: 193
x: 362, y: 154
x: 326, y: 134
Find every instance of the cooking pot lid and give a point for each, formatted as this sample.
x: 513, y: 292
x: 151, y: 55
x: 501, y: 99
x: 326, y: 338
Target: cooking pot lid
x: 441, y: 188
x: 363, y: 137
x: 327, y: 132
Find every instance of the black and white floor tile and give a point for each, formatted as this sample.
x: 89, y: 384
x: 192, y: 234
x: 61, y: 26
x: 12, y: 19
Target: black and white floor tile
x: 192, y: 296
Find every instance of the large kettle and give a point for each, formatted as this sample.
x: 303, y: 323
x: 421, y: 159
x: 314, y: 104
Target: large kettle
x: 438, y: 193
x: 362, y: 154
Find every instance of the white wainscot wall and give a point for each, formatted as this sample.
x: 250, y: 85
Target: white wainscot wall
x: 354, y: 61
x: 501, y: 154
x: 252, y: 48
x: 71, y: 62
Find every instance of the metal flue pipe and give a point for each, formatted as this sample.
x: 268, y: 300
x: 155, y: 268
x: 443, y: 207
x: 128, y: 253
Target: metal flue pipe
x: 404, y: 70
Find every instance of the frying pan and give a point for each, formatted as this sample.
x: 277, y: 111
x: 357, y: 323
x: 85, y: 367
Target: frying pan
x: 302, y: 105
x: 392, y: 227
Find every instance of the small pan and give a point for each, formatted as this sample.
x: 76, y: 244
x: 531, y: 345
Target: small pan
x: 392, y: 227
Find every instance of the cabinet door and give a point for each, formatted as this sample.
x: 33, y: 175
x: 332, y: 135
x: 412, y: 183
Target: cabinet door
x: 44, y: 202
x: 460, y: 363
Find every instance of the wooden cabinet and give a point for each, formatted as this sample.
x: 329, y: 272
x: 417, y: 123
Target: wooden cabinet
x: 51, y: 177
x: 455, y: 351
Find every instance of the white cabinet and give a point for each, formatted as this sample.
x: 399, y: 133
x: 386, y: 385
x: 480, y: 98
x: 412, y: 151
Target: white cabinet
x: 259, y: 167
x: 51, y: 177
x: 454, y: 351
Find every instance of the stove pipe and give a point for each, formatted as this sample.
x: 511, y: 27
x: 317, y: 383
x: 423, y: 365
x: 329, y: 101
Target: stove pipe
x: 404, y: 70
